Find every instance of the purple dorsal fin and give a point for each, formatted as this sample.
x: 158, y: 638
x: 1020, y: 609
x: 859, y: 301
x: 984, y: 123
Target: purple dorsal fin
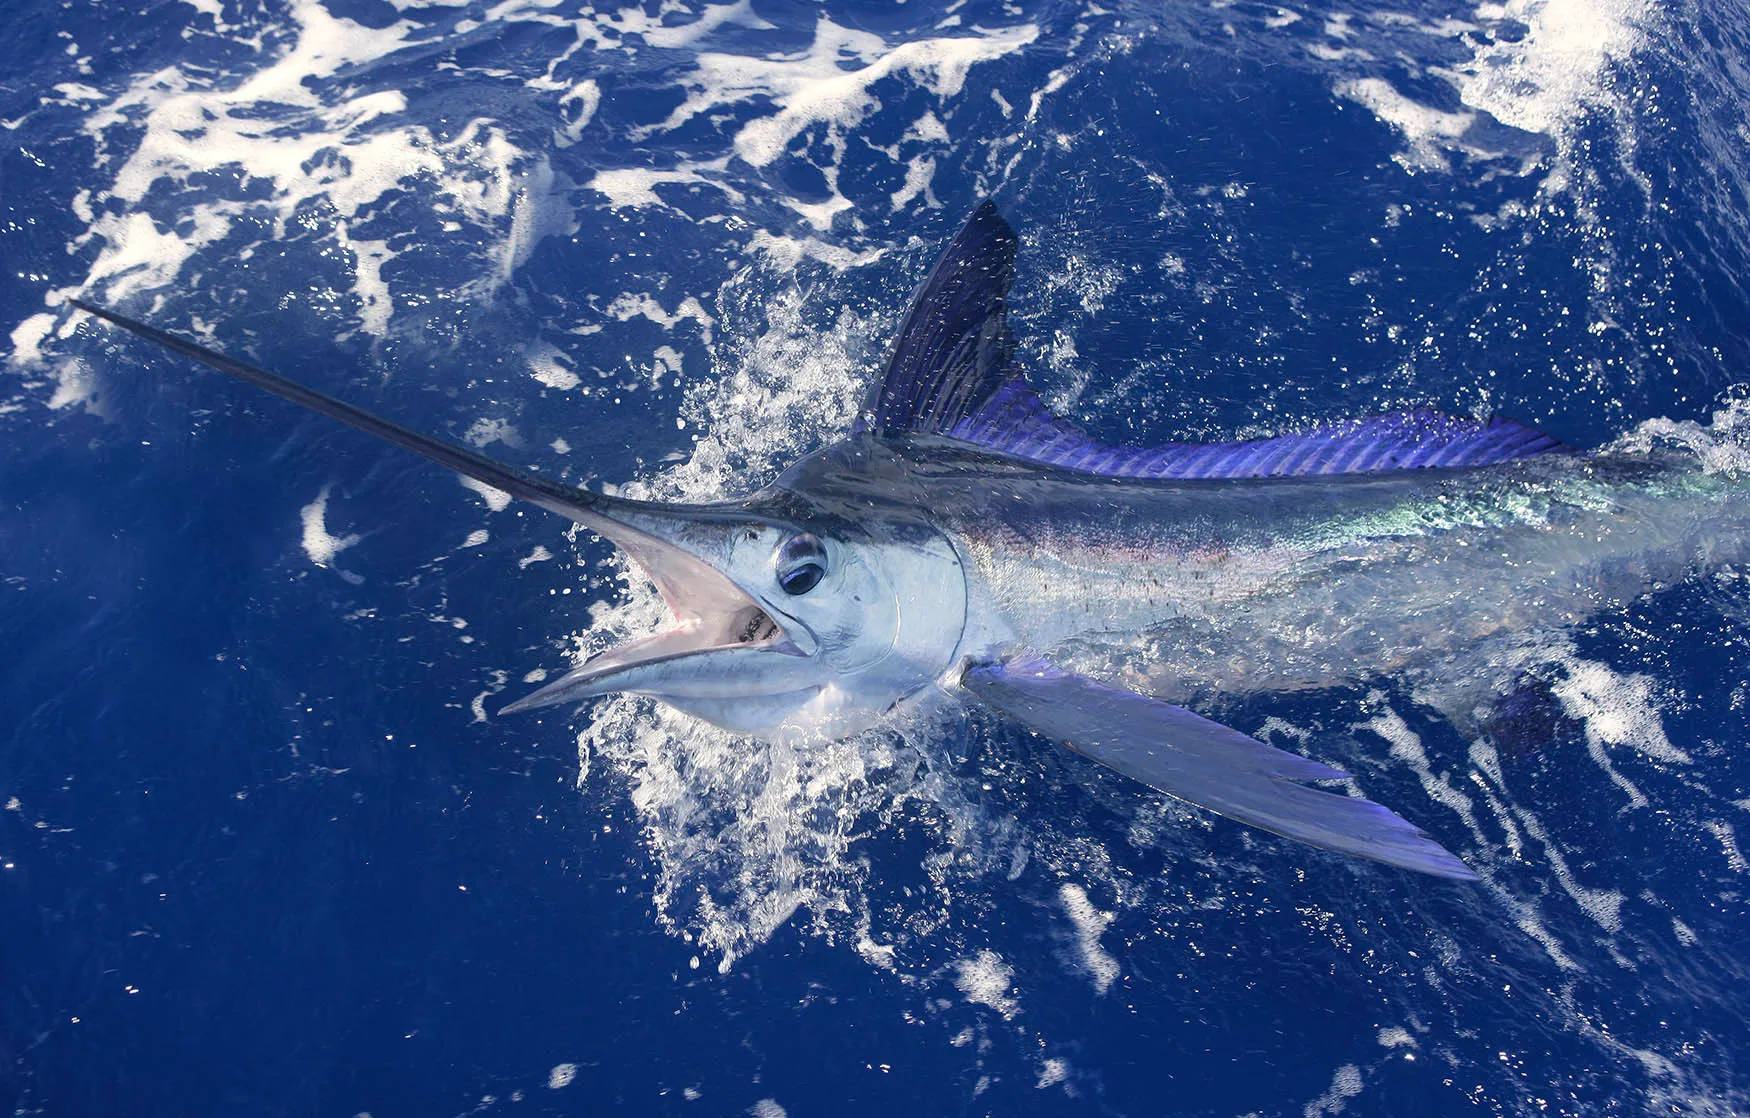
x: 1014, y: 420
x: 950, y: 375
x: 952, y: 354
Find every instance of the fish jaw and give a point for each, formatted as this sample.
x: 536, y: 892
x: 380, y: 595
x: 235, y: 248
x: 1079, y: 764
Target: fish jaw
x: 723, y: 642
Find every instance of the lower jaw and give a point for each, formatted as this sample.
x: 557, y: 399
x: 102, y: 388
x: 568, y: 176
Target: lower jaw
x: 744, y: 714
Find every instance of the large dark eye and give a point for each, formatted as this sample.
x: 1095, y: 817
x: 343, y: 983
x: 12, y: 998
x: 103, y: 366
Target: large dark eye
x: 801, y: 564
x: 802, y: 579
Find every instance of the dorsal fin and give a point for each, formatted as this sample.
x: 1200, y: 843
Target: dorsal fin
x: 952, y: 353
x: 1015, y: 421
x: 950, y: 375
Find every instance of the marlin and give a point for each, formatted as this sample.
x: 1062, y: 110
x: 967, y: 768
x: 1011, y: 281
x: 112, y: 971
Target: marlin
x: 963, y: 541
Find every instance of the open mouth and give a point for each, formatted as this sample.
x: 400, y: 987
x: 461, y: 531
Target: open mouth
x: 711, y: 614
x: 714, y: 619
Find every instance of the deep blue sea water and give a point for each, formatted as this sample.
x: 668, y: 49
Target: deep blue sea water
x: 265, y: 847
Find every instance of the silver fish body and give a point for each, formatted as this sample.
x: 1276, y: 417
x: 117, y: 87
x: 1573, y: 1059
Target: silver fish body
x: 1196, y: 589
x: 964, y: 542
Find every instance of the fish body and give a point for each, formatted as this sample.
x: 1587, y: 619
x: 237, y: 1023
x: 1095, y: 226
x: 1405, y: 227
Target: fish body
x: 963, y: 542
x: 1235, y: 586
x: 1204, y: 588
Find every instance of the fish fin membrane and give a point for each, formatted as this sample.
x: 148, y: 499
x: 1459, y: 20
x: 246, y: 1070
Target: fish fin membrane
x: 1015, y: 421
x: 1191, y: 758
x: 952, y: 353
x: 950, y: 374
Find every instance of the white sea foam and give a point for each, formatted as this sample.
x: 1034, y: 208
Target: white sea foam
x: 812, y: 87
x: 1429, y: 132
x: 1539, y: 81
x: 579, y: 106
x: 1728, y: 840
x: 540, y: 204
x: 1617, y: 709
x: 631, y: 187
x: 818, y: 91
x: 1486, y: 768
x: 635, y: 21
x: 75, y: 386
x: 375, y: 305
x: 1406, y: 746
x: 1053, y: 1070
x: 551, y: 367
x: 629, y: 305
x: 1602, y: 906
x: 1535, y: 66
x: 320, y: 544
x: 287, y: 140
x: 788, y: 252
x: 561, y: 1076
x: 792, y: 388
x: 918, y: 172
x: 1345, y: 1085
x: 826, y: 86
x: 27, y: 339
x: 496, y: 499
x: 1720, y: 446
x: 1090, y: 924
x: 193, y: 127
x: 985, y: 979
x: 488, y: 430
x: 809, y: 89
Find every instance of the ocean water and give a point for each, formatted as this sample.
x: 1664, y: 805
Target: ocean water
x: 265, y: 847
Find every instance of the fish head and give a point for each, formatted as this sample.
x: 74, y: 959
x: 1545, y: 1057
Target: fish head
x: 808, y: 610
x: 789, y: 621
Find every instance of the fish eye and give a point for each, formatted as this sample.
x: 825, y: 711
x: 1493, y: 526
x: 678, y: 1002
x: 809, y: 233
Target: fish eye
x: 801, y: 564
x: 802, y: 579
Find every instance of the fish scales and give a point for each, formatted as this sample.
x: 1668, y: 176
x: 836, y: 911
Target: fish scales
x: 1275, y: 584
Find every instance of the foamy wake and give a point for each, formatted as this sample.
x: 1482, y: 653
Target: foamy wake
x: 201, y: 165
x: 748, y: 835
x: 814, y: 89
x: 310, y: 138
x: 316, y: 138
x: 1536, y: 67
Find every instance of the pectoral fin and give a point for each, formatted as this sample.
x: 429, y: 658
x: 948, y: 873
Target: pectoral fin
x: 1205, y: 763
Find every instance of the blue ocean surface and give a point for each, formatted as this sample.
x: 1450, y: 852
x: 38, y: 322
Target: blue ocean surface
x: 266, y: 847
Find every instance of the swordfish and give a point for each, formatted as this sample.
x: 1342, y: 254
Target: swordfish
x: 962, y: 540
